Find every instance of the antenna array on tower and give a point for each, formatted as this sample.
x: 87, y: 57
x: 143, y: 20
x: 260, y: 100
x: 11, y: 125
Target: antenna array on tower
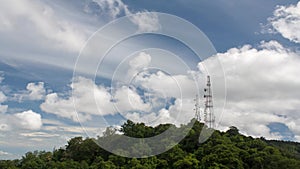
x: 197, y: 108
x: 209, y: 117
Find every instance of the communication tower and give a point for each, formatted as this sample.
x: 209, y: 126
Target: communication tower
x: 209, y: 117
x: 197, y: 108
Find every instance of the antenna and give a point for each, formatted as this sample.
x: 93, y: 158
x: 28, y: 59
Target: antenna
x: 197, y: 108
x: 209, y: 117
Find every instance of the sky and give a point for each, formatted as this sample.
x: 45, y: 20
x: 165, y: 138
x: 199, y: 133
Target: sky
x: 72, y: 68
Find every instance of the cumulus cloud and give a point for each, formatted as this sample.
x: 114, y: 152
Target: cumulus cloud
x: 166, y: 85
x: 159, y: 88
x: 107, y: 9
x: 61, y: 107
x: 29, y: 120
x: 34, y: 91
x: 148, y: 96
x: 89, y: 99
x: 128, y: 99
x: 179, y: 113
x: 146, y: 21
x: 160, y: 84
x: 138, y: 64
x: 26, y: 120
x: 81, y: 102
x: 286, y: 21
x: 262, y: 86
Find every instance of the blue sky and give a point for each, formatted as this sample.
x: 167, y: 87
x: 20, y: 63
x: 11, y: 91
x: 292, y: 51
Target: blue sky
x: 253, y: 46
x: 227, y: 24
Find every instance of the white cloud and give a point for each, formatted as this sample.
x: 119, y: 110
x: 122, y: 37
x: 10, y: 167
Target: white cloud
x: 146, y: 21
x: 91, y: 99
x: 262, y: 87
x: 38, y: 134
x: 112, y: 8
x: 138, y: 64
x: 286, y: 21
x: 140, y: 61
x: 41, y: 21
x: 182, y: 111
x: 159, y: 82
x: 127, y: 99
x: 158, y: 87
x: 26, y: 120
x: 167, y: 85
x: 85, y: 92
x: 34, y: 91
x: 29, y: 120
x: 152, y: 119
x: 60, y: 107
x: 179, y: 113
x: 49, y: 27
x: 54, y: 32
x: 3, y: 153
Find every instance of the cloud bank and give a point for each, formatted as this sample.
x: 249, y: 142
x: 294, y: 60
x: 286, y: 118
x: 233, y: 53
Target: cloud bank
x: 286, y: 21
x: 262, y: 87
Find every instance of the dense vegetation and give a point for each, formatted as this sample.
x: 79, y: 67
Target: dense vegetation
x: 222, y: 150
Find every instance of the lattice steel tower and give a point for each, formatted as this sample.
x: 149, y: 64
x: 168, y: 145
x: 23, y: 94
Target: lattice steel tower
x: 197, y: 108
x: 209, y: 117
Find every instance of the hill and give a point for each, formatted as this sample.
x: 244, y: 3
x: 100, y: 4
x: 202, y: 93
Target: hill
x: 228, y: 149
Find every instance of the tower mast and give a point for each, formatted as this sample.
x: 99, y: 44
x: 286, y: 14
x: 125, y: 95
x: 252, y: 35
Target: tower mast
x: 209, y: 117
x: 197, y: 108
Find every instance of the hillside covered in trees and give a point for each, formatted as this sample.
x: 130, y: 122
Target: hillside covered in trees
x: 227, y: 149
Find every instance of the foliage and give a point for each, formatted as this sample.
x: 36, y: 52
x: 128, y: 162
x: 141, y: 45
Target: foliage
x: 227, y: 149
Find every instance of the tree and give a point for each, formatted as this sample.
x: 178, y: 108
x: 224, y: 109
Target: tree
x: 233, y: 131
x: 227, y: 149
x: 135, y: 164
x: 10, y: 164
x: 189, y: 162
x: 79, y: 149
x: 109, y: 131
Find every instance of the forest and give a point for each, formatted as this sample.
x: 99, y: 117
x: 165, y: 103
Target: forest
x: 226, y: 150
